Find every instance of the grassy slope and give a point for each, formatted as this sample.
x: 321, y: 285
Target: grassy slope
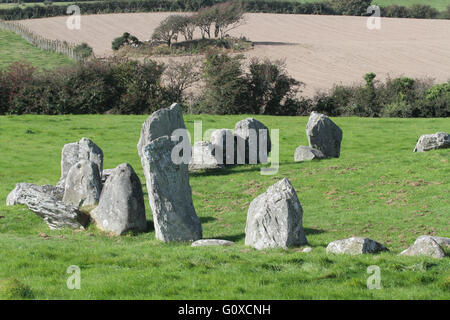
x: 14, y: 48
x: 378, y: 188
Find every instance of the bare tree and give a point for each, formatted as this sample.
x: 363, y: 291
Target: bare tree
x: 180, y: 75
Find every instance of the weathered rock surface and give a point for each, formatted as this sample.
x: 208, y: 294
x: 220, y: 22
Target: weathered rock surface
x: 212, y: 242
x: 170, y: 194
x: 355, y: 245
x: 45, y: 202
x: 274, y: 218
x: 22, y: 190
x: 427, y: 142
x: 425, y: 246
x: 105, y: 174
x: 83, y: 184
x: 85, y: 149
x: 121, y: 207
x: 224, y: 144
x: 442, y: 241
x: 324, y: 135
x: 304, y: 153
x: 203, y: 157
x: 253, y: 137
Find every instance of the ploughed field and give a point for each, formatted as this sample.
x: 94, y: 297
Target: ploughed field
x: 319, y: 50
x: 378, y: 188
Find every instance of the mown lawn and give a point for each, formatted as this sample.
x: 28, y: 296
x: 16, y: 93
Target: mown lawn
x: 378, y: 188
x: 14, y: 48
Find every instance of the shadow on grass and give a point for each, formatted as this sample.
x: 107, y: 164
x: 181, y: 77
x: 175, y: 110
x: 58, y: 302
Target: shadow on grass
x: 207, y: 219
x: 313, y: 231
x: 273, y: 43
x: 234, y: 238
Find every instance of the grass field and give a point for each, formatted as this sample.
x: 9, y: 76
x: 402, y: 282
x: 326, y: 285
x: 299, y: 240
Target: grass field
x: 378, y: 188
x: 14, y: 48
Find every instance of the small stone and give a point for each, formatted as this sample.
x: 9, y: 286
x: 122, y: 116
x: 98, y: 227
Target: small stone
x: 304, y: 153
x: 203, y: 157
x: 211, y: 242
x: 223, y: 141
x: 83, y: 184
x: 425, y: 246
x: 324, y: 135
x: 252, y: 141
x: 307, y: 249
x: 355, y: 245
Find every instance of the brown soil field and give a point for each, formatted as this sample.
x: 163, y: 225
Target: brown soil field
x: 319, y: 50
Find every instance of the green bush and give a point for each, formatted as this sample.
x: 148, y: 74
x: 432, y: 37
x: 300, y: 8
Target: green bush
x: 83, y: 51
x: 421, y: 11
x: 125, y: 39
x: 351, y: 7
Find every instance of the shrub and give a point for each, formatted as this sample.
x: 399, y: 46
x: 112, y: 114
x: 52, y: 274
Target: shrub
x: 395, y: 11
x: 83, y: 51
x: 126, y: 38
x: 351, y: 7
x: 421, y: 11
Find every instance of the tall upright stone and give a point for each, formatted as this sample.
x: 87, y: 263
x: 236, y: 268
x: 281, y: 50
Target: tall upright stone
x: 85, y: 149
x: 83, y: 184
x: 274, y: 218
x: 252, y: 141
x: 121, y: 207
x: 170, y: 194
x: 324, y: 135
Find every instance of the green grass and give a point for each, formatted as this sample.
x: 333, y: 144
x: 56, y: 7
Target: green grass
x: 378, y: 188
x: 14, y: 48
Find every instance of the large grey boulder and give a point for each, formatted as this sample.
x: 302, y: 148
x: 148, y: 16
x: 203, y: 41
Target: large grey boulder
x: 121, y: 207
x: 274, y: 218
x: 252, y: 141
x: 425, y: 246
x: 85, y: 149
x: 224, y: 144
x: 212, y: 242
x: 427, y: 142
x: 45, y: 202
x: 203, y: 157
x: 304, y: 153
x: 355, y: 245
x: 324, y: 135
x: 170, y: 194
x: 83, y: 184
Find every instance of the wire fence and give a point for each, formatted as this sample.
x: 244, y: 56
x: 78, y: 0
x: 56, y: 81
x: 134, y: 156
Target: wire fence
x: 58, y: 46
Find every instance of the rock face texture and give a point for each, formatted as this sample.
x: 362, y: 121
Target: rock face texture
x: 121, y: 207
x: 252, y: 141
x: 212, y: 242
x: 427, y: 142
x: 45, y: 202
x: 170, y: 194
x: 85, y: 149
x: 274, y: 218
x: 425, y: 246
x: 355, y: 245
x: 224, y: 145
x: 83, y: 184
x: 105, y: 174
x: 303, y: 153
x: 324, y: 135
x: 203, y: 157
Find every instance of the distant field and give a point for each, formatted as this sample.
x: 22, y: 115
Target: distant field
x: 438, y: 4
x: 15, y: 48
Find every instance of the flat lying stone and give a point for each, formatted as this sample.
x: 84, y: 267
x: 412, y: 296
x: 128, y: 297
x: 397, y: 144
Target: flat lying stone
x: 355, y: 245
x: 304, y: 153
x: 427, y: 142
x: 425, y: 246
x: 55, y: 213
x: 211, y: 242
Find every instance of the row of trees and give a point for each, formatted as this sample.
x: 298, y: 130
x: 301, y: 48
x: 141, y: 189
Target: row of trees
x: 219, y: 18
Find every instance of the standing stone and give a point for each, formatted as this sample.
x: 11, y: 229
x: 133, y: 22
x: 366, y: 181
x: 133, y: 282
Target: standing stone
x: 427, y: 142
x: 203, y: 157
x: 83, y: 184
x: 274, y: 218
x: 45, y: 202
x: 105, y: 174
x: 248, y: 140
x: 324, y: 135
x: 303, y: 153
x: 224, y: 144
x: 170, y: 194
x: 355, y: 245
x: 85, y: 149
x: 162, y: 122
x: 425, y: 246
x: 121, y: 207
